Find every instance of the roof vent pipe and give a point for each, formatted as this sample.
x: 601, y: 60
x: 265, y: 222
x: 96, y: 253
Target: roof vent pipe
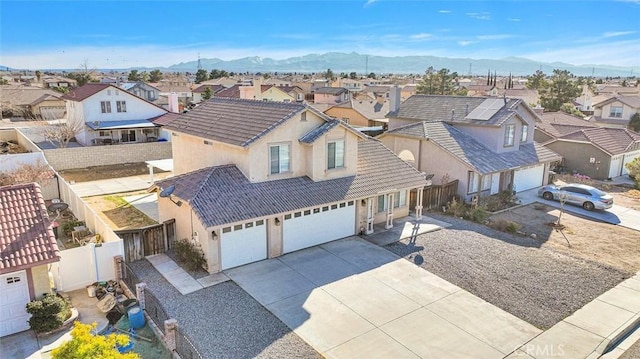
x: 453, y: 112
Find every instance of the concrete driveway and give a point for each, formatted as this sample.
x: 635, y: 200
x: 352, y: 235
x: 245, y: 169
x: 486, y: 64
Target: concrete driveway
x: 350, y: 298
x: 618, y: 215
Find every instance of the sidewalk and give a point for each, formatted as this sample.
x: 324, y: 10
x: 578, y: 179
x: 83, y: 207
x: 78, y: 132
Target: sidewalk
x: 594, y: 329
x: 405, y: 227
x: 179, y: 278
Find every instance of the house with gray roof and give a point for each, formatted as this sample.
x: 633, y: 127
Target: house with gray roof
x: 331, y: 95
x: 258, y: 179
x: 586, y: 148
x: 485, y: 143
x: 616, y: 111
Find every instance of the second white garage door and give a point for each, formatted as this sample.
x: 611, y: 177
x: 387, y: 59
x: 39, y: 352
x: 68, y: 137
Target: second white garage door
x: 528, y: 177
x: 318, y: 225
x: 243, y: 243
x: 14, y: 296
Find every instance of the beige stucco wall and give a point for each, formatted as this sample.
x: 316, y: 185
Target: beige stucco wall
x: 48, y: 103
x: 274, y: 237
x: 40, y: 277
x: 275, y: 94
x: 81, y: 157
x: 190, y: 153
x: 354, y: 118
x: 605, y: 111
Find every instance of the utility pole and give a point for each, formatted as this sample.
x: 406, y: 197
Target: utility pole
x: 470, y: 64
x: 199, y: 63
x: 366, y: 66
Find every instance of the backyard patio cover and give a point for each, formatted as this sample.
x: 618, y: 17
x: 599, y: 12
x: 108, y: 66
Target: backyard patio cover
x: 114, y: 125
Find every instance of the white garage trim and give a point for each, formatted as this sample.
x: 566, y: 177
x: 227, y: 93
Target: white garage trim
x: 243, y: 243
x: 318, y: 225
x: 528, y: 177
x: 615, y: 166
x: 628, y: 157
x: 14, y: 296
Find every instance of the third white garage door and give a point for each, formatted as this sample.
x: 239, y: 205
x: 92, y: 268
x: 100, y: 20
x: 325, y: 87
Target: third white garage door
x: 528, y: 177
x: 14, y: 296
x: 318, y: 225
x: 243, y: 243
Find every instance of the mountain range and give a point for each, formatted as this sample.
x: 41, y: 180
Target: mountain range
x: 361, y: 63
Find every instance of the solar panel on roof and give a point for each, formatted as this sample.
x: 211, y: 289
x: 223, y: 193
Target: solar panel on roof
x: 486, y: 109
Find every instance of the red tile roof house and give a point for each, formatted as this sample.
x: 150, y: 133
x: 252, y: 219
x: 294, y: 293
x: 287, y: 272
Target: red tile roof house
x: 106, y: 114
x: 258, y: 179
x: 27, y: 248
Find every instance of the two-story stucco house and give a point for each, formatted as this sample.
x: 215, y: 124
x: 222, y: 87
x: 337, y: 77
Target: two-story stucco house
x: 331, y: 95
x: 141, y: 89
x: 257, y: 179
x: 616, y: 111
x: 106, y: 114
x: 485, y: 143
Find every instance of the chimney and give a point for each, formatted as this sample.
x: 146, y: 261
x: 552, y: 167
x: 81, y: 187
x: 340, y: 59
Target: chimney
x: 394, y: 99
x: 173, y: 103
x: 247, y: 92
x: 539, y: 110
x: 257, y: 88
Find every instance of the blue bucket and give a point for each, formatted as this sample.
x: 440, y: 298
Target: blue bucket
x: 125, y: 348
x: 136, y: 317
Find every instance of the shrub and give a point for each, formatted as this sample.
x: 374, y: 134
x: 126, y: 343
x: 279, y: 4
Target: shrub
x: 68, y: 227
x: 467, y: 211
x: 189, y: 254
x: 505, y: 225
x: 49, y: 313
x: 86, y: 345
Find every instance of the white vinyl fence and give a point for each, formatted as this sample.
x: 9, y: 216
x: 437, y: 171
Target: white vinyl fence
x: 81, y: 266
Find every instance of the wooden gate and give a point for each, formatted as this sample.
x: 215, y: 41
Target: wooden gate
x: 146, y: 241
x: 436, y: 196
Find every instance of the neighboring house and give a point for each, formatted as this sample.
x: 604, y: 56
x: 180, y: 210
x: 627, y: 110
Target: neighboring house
x: 584, y: 102
x: 258, y: 179
x: 612, y: 90
x: 482, y: 90
x: 106, y: 114
x: 28, y: 248
x: 408, y: 91
x: 274, y: 93
x: 141, y: 89
x: 361, y: 113
x: 331, y: 95
x: 485, y: 143
x: 180, y: 87
x: 379, y: 93
x: 530, y: 97
x: 616, y: 111
x: 295, y: 92
x: 598, y: 152
x: 27, y: 102
x: 198, y: 91
x: 349, y: 84
x: 57, y: 81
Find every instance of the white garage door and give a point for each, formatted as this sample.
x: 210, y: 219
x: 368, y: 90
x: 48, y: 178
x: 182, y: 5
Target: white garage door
x: 628, y: 158
x: 318, y: 225
x: 528, y: 178
x: 243, y: 243
x: 14, y: 296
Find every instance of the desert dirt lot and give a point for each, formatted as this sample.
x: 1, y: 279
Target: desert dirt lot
x: 112, y: 171
x: 604, y: 243
x: 118, y: 213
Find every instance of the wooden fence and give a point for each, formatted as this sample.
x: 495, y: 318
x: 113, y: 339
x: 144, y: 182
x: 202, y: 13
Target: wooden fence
x: 436, y: 196
x: 146, y: 241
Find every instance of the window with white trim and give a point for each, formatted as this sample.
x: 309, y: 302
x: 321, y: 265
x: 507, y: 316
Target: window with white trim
x: 509, y: 135
x: 335, y: 154
x: 400, y: 199
x: 279, y: 159
x: 105, y: 106
x: 121, y: 106
x: 525, y: 133
x: 473, y: 183
x: 616, y: 111
x: 382, y: 203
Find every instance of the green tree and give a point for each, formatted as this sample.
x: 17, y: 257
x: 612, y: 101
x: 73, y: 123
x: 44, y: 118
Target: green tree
x: 155, y: 76
x: 537, y: 80
x: 353, y: 75
x: 266, y: 76
x: 84, y: 75
x: 61, y: 89
x: 560, y: 89
x: 38, y: 75
x: 634, y: 123
x: 134, y: 75
x: 329, y: 75
x: 634, y: 170
x: 86, y: 345
x: 201, y: 76
x: 439, y: 82
x: 572, y: 110
x: 371, y: 75
x: 207, y: 93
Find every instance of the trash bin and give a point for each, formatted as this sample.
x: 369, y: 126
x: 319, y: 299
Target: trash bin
x: 136, y: 317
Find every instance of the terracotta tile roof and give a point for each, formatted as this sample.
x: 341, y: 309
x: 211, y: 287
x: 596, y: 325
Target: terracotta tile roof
x: 84, y: 92
x: 235, y: 121
x: 165, y: 119
x: 223, y: 195
x: 475, y: 154
x: 20, y: 96
x: 26, y: 236
x: 288, y: 89
x: 231, y: 92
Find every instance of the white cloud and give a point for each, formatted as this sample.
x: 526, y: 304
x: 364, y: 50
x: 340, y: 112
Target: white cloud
x: 607, y: 35
x: 466, y: 42
x: 445, y: 11
x: 370, y: 2
x: 495, y: 37
x: 619, y: 53
x: 513, y: 19
x: 479, y: 15
x: 421, y: 36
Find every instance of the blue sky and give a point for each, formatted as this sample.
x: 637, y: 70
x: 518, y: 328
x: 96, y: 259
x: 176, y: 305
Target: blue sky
x: 116, y: 34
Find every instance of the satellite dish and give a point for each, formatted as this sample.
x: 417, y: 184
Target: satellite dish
x: 57, y: 207
x: 167, y: 192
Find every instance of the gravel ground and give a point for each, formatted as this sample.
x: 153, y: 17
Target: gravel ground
x: 535, y: 284
x: 224, y: 321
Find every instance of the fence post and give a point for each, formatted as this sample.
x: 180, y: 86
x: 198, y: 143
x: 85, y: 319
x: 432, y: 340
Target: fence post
x: 118, y: 264
x: 170, y: 326
x: 140, y: 294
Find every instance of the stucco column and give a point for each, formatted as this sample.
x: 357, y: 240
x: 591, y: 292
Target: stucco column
x: 140, y: 294
x: 389, y: 223
x: 150, y: 173
x: 369, y: 216
x: 170, y: 326
x: 419, y: 194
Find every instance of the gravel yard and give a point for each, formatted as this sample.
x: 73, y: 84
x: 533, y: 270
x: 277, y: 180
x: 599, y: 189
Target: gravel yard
x: 538, y: 285
x: 224, y: 321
